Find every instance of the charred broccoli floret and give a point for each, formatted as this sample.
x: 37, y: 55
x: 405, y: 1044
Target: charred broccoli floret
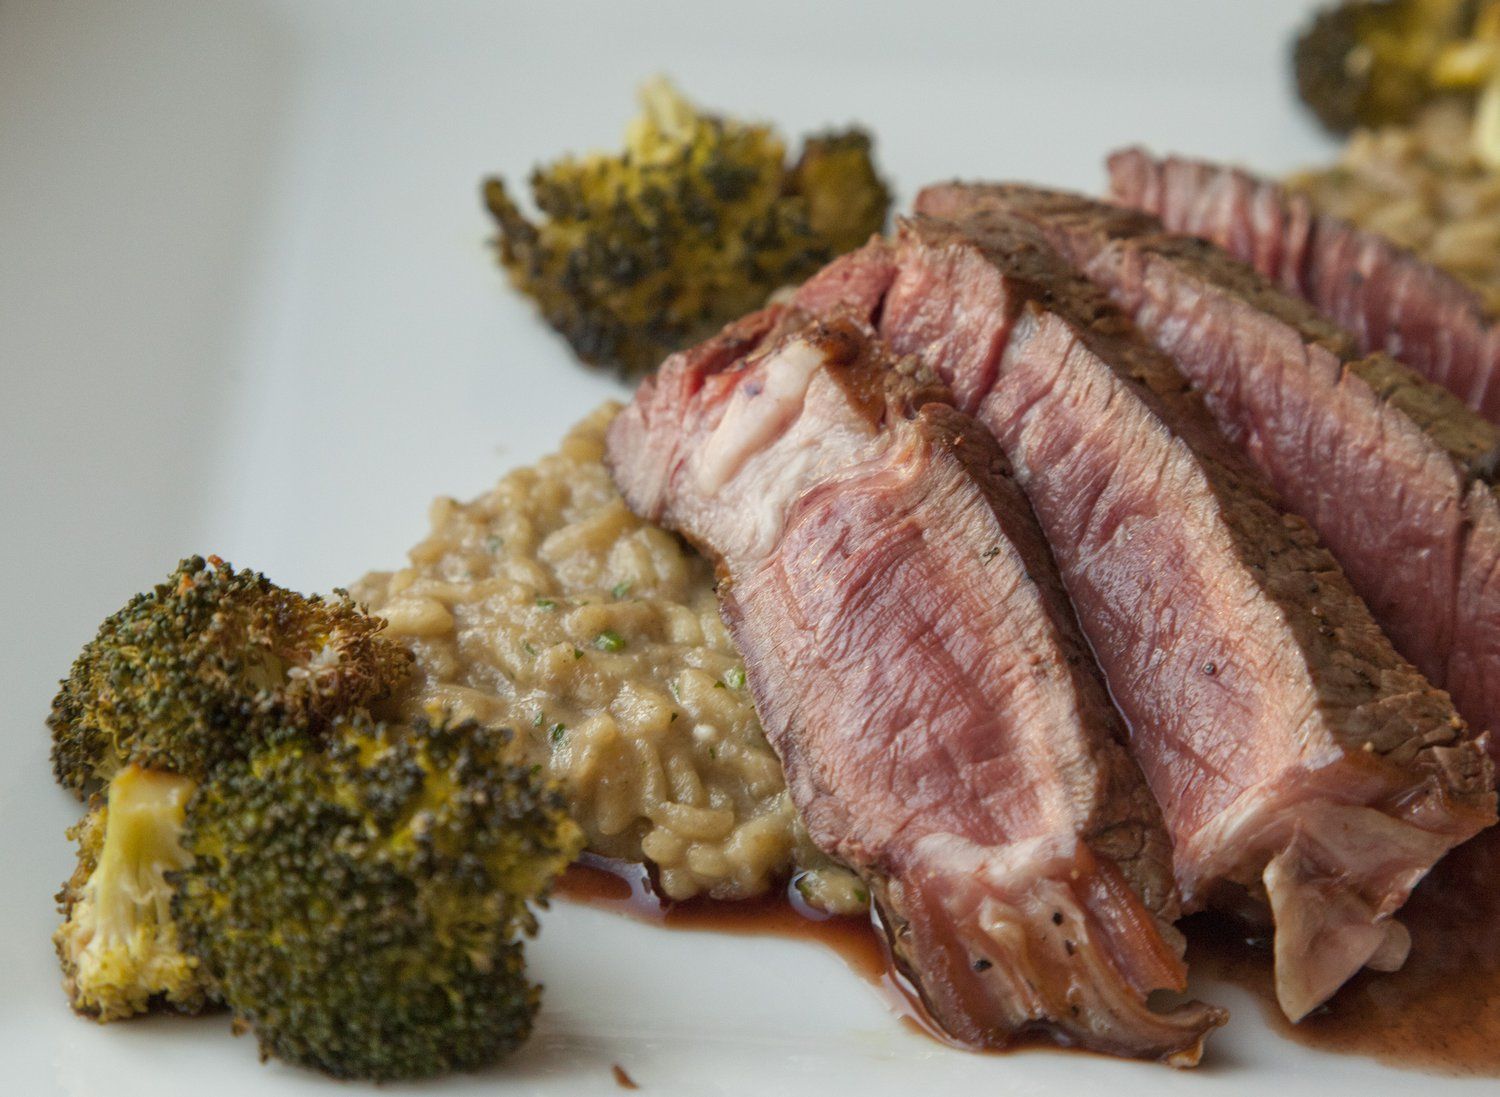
x: 191, y: 673
x: 846, y: 199
x: 1373, y: 62
x: 358, y: 904
x: 638, y: 254
x: 118, y: 943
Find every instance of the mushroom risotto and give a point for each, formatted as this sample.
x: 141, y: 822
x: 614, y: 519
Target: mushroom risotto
x: 1422, y: 186
x: 546, y: 606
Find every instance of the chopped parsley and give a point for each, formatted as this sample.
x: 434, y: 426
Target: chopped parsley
x: 527, y: 648
x: 609, y: 640
x: 558, y: 732
x: 546, y: 603
x: 619, y: 590
x: 734, y: 677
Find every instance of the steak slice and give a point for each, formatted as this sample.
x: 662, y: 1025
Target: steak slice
x: 1394, y: 472
x: 1387, y: 297
x: 1300, y: 763
x: 916, y: 665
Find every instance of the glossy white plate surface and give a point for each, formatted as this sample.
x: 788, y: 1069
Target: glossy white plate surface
x: 246, y: 307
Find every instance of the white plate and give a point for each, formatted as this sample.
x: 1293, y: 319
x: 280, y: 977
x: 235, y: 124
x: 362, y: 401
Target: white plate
x: 246, y: 307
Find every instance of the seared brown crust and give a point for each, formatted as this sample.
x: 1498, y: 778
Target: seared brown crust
x: 1463, y: 434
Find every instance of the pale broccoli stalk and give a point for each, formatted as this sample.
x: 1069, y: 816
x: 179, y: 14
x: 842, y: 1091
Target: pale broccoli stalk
x: 118, y: 943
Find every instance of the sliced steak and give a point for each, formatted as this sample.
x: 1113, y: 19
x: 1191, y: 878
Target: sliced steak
x: 1299, y: 761
x: 1387, y: 297
x: 1394, y: 472
x: 916, y: 665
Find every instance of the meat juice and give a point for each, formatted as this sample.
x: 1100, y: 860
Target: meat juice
x: 1440, y: 1012
x: 625, y: 888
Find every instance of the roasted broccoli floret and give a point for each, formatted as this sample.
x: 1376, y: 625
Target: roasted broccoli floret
x: 638, y: 254
x: 118, y: 944
x: 358, y: 903
x: 1372, y: 62
x: 191, y: 673
x: 846, y: 199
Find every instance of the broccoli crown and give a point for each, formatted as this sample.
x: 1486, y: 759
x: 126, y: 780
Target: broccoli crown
x: 118, y: 944
x: 1371, y: 62
x: 358, y: 903
x: 191, y: 673
x: 639, y: 254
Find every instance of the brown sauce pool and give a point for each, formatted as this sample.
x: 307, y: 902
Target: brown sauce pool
x: 1440, y: 1012
x: 623, y: 887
